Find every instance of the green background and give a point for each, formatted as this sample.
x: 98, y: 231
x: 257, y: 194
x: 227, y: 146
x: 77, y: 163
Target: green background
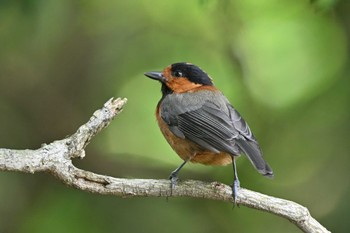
x: 283, y: 64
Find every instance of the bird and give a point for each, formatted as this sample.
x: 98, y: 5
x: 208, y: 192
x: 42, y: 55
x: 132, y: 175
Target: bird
x: 201, y: 125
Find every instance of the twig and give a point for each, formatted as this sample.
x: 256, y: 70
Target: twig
x: 57, y: 156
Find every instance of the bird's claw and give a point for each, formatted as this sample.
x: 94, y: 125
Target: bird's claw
x: 235, y: 187
x: 173, y: 181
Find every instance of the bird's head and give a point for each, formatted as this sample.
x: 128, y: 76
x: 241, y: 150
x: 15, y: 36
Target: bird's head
x: 180, y: 78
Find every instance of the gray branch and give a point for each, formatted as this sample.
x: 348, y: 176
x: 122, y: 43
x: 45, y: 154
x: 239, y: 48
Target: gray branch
x: 56, y: 158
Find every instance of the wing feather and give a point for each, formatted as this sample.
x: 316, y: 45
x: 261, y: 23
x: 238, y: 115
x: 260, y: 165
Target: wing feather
x: 215, y: 126
x: 210, y: 127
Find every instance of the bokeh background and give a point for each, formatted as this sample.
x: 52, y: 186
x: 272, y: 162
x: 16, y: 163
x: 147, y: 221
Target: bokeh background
x: 283, y: 64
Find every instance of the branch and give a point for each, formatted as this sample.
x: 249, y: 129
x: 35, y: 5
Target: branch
x: 56, y: 158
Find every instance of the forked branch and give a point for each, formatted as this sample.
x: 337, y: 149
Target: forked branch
x: 56, y: 158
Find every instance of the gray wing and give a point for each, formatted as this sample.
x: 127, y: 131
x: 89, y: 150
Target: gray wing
x: 217, y: 130
x: 208, y: 126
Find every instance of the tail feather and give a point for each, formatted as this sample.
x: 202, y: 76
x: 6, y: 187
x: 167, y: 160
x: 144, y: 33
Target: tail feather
x: 254, y: 154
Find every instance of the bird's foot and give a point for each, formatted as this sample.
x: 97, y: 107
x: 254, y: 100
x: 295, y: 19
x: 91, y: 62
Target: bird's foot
x: 235, y: 187
x: 173, y: 181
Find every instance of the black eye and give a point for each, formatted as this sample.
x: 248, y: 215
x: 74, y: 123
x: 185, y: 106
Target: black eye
x: 177, y: 74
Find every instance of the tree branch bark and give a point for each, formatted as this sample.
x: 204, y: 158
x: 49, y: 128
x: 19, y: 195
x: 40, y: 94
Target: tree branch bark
x: 56, y: 158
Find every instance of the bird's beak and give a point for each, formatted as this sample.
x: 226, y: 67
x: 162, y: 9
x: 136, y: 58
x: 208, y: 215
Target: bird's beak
x: 156, y: 76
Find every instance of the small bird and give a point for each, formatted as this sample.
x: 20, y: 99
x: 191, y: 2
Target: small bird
x: 201, y: 125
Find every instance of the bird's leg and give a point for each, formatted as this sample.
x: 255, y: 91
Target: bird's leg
x: 236, y: 183
x: 173, y: 176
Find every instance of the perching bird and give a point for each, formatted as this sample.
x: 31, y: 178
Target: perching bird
x: 201, y: 125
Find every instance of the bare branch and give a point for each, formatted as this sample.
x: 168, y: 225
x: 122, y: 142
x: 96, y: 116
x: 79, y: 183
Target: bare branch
x: 57, y: 156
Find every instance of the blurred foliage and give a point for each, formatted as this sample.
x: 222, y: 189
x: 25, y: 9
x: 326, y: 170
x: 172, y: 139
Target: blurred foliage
x: 283, y: 64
